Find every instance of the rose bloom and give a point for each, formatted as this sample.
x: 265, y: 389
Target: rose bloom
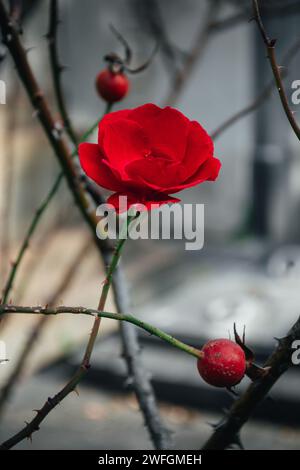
x: 148, y: 153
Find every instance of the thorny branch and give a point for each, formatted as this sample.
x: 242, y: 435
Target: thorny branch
x: 261, y: 97
x: 209, y: 27
x: 270, y: 48
x: 227, y: 432
x: 153, y: 330
x: 51, y: 403
x: 37, y: 330
x: 153, y: 428
x: 85, y: 363
x: 53, y: 133
x: 271, y: 11
x: 57, y: 69
x: 278, y: 78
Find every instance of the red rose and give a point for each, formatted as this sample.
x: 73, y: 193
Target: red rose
x: 147, y: 154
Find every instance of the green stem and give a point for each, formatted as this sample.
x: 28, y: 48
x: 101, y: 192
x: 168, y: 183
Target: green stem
x: 32, y: 227
x: 106, y: 287
x: 153, y: 331
x: 5, y: 309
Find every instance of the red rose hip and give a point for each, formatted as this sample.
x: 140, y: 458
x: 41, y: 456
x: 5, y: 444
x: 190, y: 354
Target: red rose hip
x: 111, y: 85
x: 223, y: 363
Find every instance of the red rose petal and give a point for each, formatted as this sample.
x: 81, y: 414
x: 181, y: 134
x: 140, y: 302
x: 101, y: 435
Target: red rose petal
x: 107, y: 119
x: 155, y: 173
x: 165, y: 128
x: 151, y: 202
x: 93, y: 165
x: 199, y: 148
x: 123, y: 141
x: 209, y: 171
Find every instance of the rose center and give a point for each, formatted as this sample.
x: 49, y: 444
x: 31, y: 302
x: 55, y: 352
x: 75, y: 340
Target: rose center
x: 148, y: 154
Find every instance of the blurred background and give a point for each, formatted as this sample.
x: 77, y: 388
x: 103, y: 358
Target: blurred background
x: 211, y: 64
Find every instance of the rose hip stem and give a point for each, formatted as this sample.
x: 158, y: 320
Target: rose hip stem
x: 153, y: 330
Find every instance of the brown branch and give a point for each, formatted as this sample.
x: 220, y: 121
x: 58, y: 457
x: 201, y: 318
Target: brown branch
x: 57, y: 68
x: 227, y: 432
x: 261, y: 97
x: 270, y: 48
x: 271, y: 11
x: 211, y: 27
x: 37, y: 330
x: 18, y: 53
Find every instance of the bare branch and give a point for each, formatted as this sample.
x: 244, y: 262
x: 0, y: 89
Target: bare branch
x: 270, y: 48
x: 261, y: 97
x: 271, y: 11
x: 227, y: 432
x: 57, y: 68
